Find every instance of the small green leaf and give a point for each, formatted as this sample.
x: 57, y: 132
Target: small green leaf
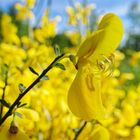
x: 33, y: 71
x: 60, y: 65
x: 21, y: 87
x: 76, y: 130
x: 57, y: 50
x: 24, y: 104
x: 18, y: 114
x: 45, y: 77
x: 3, y: 102
x: 72, y: 59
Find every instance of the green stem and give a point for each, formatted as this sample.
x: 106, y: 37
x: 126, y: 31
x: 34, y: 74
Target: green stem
x: 9, y: 112
x: 80, y: 130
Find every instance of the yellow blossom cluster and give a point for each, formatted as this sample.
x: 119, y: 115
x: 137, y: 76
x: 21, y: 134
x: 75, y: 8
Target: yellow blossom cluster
x: 94, y: 89
x: 79, y: 13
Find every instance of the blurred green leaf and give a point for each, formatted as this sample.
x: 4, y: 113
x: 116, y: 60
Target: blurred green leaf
x: 18, y: 114
x: 33, y: 71
x: 21, y: 105
x: 46, y: 77
x: 57, y: 50
x: 21, y: 87
x: 60, y: 65
x: 72, y: 59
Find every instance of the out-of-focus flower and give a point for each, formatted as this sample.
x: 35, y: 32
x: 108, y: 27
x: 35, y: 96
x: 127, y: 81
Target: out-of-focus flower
x: 136, y: 133
x: 83, y: 12
x: 9, y: 30
x: 99, y: 133
x: 72, y: 16
x: 30, y: 3
x: 24, y: 11
x: 79, y: 13
x: 14, y: 51
x: 5, y: 135
x: 27, y: 115
x: 131, y: 119
x: 84, y: 97
x: 46, y: 30
x: 94, y: 132
x: 126, y: 76
x: 119, y: 56
x: 135, y: 58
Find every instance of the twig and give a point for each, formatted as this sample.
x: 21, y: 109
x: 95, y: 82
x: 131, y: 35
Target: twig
x: 80, y: 130
x: 9, y: 112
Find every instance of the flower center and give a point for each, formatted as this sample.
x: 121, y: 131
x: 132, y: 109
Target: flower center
x: 106, y: 65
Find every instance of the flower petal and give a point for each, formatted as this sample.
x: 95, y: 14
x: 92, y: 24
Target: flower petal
x: 89, y: 45
x: 111, y: 37
x: 84, y: 96
x: 104, y: 41
x: 99, y: 133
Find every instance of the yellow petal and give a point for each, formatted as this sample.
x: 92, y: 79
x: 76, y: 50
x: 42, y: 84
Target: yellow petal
x: 6, y: 135
x: 111, y: 38
x: 104, y: 41
x: 88, y: 46
x: 99, y: 133
x: 29, y: 114
x: 131, y: 119
x: 84, y: 96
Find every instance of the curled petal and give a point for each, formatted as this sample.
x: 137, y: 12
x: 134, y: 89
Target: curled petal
x: 104, y: 41
x: 89, y: 45
x: 84, y: 97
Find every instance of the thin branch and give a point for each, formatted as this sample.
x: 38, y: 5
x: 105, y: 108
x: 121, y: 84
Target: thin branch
x: 9, y: 112
x: 80, y: 130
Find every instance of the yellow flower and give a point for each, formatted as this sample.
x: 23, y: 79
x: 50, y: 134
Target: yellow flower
x: 84, y: 97
x: 6, y: 135
x: 99, y: 133
x: 125, y: 77
x: 24, y: 12
x: 72, y: 16
x: 135, y: 58
x: 9, y: 30
x: 131, y: 119
x: 30, y: 3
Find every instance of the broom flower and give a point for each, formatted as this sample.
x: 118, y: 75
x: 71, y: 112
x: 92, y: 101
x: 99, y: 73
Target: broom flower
x: 94, y: 59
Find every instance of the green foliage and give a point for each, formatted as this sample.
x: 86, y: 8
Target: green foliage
x: 133, y: 39
x: 125, y: 67
x: 60, y: 65
x: 133, y: 42
x: 134, y: 13
x: 18, y: 114
x: 61, y: 40
x: 21, y: 87
x: 57, y: 50
x: 23, y: 27
x: 45, y: 77
x: 33, y: 71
